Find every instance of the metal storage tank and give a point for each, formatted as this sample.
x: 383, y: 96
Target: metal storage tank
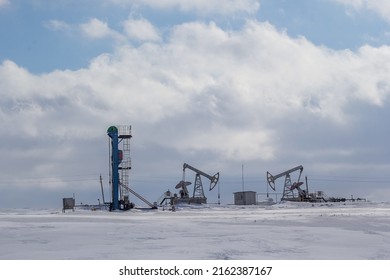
x: 245, y: 198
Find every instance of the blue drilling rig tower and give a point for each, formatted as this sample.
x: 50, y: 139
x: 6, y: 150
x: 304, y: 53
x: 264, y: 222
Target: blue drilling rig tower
x: 120, y: 165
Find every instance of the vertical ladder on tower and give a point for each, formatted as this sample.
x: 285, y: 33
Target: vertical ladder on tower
x: 124, y: 136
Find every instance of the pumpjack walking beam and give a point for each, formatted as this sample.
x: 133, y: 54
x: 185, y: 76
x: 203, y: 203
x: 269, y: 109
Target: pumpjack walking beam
x: 213, y: 179
x: 271, y: 179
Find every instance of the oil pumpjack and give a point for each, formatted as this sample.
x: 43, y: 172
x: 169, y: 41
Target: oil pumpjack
x: 198, y: 195
x: 169, y: 200
x: 291, y: 191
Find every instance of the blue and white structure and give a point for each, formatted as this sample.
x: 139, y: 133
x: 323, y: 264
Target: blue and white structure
x: 120, y: 165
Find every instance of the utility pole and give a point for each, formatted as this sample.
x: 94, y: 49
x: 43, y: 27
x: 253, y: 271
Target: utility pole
x: 243, y: 184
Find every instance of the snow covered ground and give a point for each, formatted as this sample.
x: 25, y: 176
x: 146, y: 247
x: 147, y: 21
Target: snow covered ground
x: 285, y: 231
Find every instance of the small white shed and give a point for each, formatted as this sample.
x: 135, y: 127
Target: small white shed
x: 245, y: 198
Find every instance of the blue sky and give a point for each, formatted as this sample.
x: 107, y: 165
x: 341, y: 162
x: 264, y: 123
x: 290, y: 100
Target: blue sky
x: 271, y: 84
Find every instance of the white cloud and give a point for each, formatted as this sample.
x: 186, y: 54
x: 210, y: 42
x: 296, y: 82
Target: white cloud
x: 205, y: 65
x: 57, y: 25
x: 381, y: 7
x: 93, y: 29
x: 231, y: 142
x: 141, y: 30
x: 98, y: 29
x: 221, y: 72
x: 226, y: 7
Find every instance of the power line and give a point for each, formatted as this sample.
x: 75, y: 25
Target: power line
x: 352, y: 180
x: 45, y: 180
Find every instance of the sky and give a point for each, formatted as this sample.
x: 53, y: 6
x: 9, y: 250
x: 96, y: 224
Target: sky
x: 239, y: 87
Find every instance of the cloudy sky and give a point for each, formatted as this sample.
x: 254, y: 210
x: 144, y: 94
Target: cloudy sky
x: 265, y: 85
